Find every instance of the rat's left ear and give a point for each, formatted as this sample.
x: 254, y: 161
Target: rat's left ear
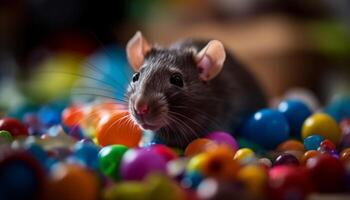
x: 210, y: 60
x: 136, y: 49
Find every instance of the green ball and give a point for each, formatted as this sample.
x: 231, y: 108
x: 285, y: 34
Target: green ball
x: 6, y: 136
x: 109, y: 160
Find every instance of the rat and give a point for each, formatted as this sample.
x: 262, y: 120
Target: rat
x: 189, y: 89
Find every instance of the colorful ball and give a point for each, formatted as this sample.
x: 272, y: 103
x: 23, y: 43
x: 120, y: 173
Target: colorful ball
x: 117, y: 129
x: 290, y: 145
x: 109, y: 160
x: 307, y: 155
x: 86, y: 154
x: 288, y: 181
x: 295, y: 112
x: 68, y: 181
x: 72, y: 116
x: 286, y: 159
x: 254, y: 178
x: 167, y: 153
x: 245, y: 156
x: 21, y: 176
x: 13, y: 126
x: 191, y: 179
x: 220, y: 163
x: 267, y: 128
x: 327, y: 172
x: 221, y: 137
x: 312, y: 142
x: 5, y: 136
x: 137, y: 163
x: 198, y: 146
x: 339, y: 108
x: 323, y: 125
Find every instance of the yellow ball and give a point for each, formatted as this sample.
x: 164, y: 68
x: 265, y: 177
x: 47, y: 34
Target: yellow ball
x: 321, y: 124
x: 197, y: 162
x: 244, y: 155
x: 254, y: 178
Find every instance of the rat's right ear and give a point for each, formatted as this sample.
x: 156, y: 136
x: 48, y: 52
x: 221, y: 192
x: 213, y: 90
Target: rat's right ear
x: 136, y: 49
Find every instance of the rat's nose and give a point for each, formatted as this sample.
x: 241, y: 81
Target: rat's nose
x: 141, y: 109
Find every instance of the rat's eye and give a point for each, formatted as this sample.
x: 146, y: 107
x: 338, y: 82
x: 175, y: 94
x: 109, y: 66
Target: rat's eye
x: 135, y: 77
x: 176, y: 79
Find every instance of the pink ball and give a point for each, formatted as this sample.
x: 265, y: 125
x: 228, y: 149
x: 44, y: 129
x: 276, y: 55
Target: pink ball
x: 221, y: 137
x: 138, y: 163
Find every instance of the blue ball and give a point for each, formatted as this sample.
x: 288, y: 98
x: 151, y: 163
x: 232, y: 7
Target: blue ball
x: 49, y: 115
x: 339, y: 108
x: 295, y: 112
x: 37, y: 152
x: 266, y: 127
x: 87, y: 154
x: 312, y: 142
x: 191, y: 179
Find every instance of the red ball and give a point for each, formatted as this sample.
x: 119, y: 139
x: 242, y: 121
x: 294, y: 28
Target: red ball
x: 15, y: 127
x: 289, y: 182
x: 328, y: 173
x: 164, y: 151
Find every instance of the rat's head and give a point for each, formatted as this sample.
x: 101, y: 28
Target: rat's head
x: 168, y: 82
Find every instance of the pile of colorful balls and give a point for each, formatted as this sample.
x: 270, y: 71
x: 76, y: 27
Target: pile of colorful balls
x: 292, y: 151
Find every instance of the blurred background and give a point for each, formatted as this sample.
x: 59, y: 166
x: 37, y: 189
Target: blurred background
x: 55, y: 50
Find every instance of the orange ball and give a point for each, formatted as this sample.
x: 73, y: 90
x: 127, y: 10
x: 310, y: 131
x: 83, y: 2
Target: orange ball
x: 117, y: 128
x: 72, y: 116
x: 345, y: 156
x: 290, y: 145
x: 198, y: 146
x: 220, y: 163
x: 307, y: 155
x: 70, y: 182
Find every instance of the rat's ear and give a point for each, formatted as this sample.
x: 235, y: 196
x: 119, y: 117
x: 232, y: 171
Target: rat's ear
x: 210, y: 60
x: 136, y: 50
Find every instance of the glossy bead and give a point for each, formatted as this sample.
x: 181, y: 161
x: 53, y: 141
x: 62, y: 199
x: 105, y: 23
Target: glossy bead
x: 267, y: 128
x: 254, y: 178
x: 109, y: 160
x: 286, y: 159
x: 312, y: 142
x: 72, y: 116
x: 345, y: 126
x: 345, y: 156
x: 296, y: 112
x: 327, y: 172
x: 220, y: 163
x: 21, y: 176
x: 191, y: 179
x: 290, y: 145
x: 221, y: 137
x: 244, y: 155
x: 68, y: 181
x: 339, y: 107
x: 13, y: 126
x: 49, y: 115
x: 309, y: 154
x: 196, y: 163
x: 288, y: 181
x: 5, y: 136
x: 116, y: 129
x: 137, y: 163
x: 198, y: 146
x: 87, y: 154
x: 167, y: 153
x: 323, y: 125
x: 327, y: 146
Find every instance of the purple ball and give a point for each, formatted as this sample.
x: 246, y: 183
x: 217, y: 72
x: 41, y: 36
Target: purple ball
x: 286, y: 159
x: 137, y: 163
x: 221, y: 137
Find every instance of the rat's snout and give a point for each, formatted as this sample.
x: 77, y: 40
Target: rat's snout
x: 141, y: 108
